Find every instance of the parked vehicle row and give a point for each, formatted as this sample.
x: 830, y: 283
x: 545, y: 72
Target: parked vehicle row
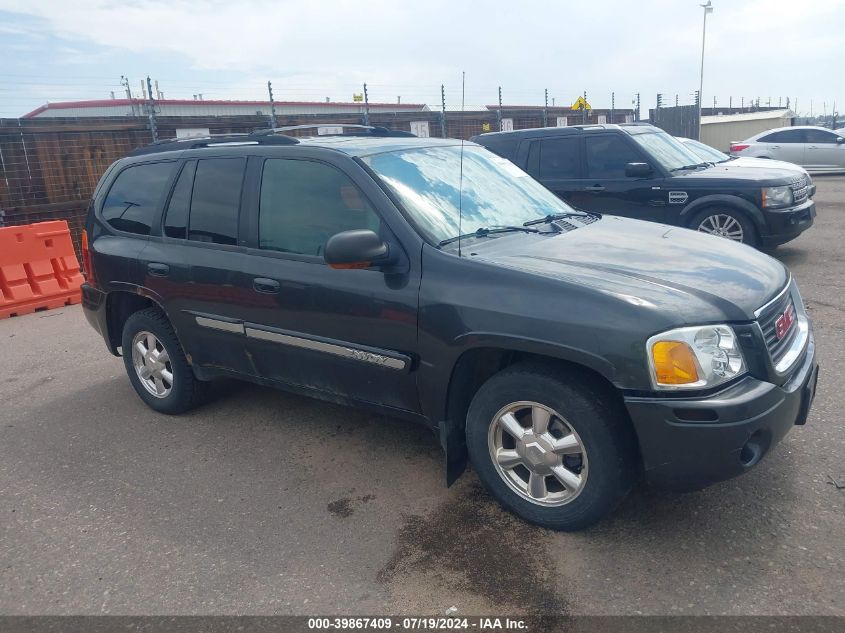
x: 817, y: 149
x: 567, y: 353
x: 640, y: 171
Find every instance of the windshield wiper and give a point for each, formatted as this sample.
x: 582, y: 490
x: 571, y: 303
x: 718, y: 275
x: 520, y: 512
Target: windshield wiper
x: 696, y: 166
x: 484, y: 231
x: 561, y: 216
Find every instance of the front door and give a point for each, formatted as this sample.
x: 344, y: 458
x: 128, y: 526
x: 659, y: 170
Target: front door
x: 606, y: 189
x: 822, y: 150
x: 349, y: 332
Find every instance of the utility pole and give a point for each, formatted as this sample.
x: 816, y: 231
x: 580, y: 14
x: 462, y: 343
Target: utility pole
x: 638, y: 106
x: 499, y: 111
x: 124, y: 81
x: 612, y: 105
x: 366, y: 106
x: 584, y: 109
x: 151, y: 110
x: 546, y: 110
x: 442, y: 111
x: 708, y: 8
x: 272, y: 106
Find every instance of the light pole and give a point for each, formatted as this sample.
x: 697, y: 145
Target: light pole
x: 708, y: 8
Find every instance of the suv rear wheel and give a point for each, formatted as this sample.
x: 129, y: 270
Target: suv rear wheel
x: 156, y: 364
x: 725, y: 222
x: 549, y: 447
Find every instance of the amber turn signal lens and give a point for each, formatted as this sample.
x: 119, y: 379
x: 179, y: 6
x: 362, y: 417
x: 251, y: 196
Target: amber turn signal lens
x: 674, y: 363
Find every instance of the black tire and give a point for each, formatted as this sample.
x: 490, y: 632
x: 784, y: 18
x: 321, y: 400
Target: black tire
x: 186, y: 391
x: 590, y: 410
x: 749, y: 231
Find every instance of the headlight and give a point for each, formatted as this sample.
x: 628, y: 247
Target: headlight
x: 774, y: 197
x: 694, y: 357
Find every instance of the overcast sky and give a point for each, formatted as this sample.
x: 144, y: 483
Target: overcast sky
x: 312, y: 49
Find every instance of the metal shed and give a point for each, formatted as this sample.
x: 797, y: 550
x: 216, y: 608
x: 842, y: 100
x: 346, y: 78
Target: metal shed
x: 721, y: 130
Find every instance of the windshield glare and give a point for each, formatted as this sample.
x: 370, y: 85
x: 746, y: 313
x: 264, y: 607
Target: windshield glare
x: 666, y: 149
x: 706, y: 152
x: 496, y: 192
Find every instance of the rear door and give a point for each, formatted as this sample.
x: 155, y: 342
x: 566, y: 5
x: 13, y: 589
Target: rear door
x: 351, y: 332
x: 785, y: 145
x: 556, y: 162
x: 822, y: 151
x: 197, y: 266
x: 606, y: 189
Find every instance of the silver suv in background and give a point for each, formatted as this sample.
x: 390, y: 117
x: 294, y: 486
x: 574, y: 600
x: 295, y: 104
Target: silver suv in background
x: 817, y: 149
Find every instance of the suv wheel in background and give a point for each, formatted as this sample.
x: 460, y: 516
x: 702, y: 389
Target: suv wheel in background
x: 725, y: 222
x: 156, y: 364
x: 550, y: 447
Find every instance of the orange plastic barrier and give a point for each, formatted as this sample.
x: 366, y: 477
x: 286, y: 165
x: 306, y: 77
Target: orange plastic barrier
x: 38, y: 268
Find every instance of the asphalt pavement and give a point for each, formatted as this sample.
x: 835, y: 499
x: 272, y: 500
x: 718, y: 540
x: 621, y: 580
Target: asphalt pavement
x: 262, y: 502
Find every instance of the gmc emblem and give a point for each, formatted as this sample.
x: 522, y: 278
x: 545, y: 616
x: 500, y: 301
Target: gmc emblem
x: 784, y: 322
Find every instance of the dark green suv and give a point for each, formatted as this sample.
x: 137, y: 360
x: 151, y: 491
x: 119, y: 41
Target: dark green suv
x: 565, y: 353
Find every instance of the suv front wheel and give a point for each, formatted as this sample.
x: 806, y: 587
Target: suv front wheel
x: 727, y: 223
x: 550, y: 447
x: 156, y: 364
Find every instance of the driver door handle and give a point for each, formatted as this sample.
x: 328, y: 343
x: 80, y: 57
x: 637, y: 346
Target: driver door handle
x: 594, y: 188
x: 265, y: 286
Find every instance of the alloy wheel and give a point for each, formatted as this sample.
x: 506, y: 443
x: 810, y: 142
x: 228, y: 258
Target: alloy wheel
x: 537, y: 453
x: 152, y: 364
x: 722, y: 225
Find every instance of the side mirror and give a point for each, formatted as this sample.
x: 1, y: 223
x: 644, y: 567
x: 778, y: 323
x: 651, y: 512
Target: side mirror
x: 638, y: 170
x: 356, y: 249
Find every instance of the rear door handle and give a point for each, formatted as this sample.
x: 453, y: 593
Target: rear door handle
x: 158, y: 270
x: 267, y: 286
x: 595, y: 188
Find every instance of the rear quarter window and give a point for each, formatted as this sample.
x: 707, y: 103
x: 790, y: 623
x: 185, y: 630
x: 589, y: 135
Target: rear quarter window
x: 136, y: 195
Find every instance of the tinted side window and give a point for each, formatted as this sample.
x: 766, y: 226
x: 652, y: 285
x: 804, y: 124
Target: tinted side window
x: 560, y: 158
x: 135, y: 196
x: 176, y: 217
x: 607, y: 156
x: 215, y: 200
x: 784, y: 136
x: 820, y: 136
x: 304, y: 203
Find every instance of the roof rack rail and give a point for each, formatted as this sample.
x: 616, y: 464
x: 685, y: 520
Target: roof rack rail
x: 176, y: 144
x: 359, y: 130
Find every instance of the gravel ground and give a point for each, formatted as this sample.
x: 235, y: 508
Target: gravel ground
x: 266, y: 503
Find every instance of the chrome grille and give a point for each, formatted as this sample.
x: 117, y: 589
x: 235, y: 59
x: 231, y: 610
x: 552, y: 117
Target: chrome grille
x: 800, y: 189
x: 767, y: 320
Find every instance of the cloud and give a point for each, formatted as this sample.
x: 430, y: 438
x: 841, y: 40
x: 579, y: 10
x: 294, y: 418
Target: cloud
x: 320, y: 48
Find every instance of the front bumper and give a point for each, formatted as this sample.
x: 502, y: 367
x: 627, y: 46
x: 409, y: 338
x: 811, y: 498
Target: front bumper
x: 787, y: 224
x: 689, y: 443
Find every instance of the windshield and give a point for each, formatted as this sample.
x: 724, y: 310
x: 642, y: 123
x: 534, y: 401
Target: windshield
x: 705, y: 152
x: 496, y: 192
x: 667, y: 150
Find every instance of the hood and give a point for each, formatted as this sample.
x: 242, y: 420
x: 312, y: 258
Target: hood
x: 767, y: 174
x: 766, y: 163
x: 669, y: 269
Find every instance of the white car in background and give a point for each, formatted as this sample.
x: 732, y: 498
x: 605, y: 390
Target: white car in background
x: 818, y: 149
x: 712, y: 155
